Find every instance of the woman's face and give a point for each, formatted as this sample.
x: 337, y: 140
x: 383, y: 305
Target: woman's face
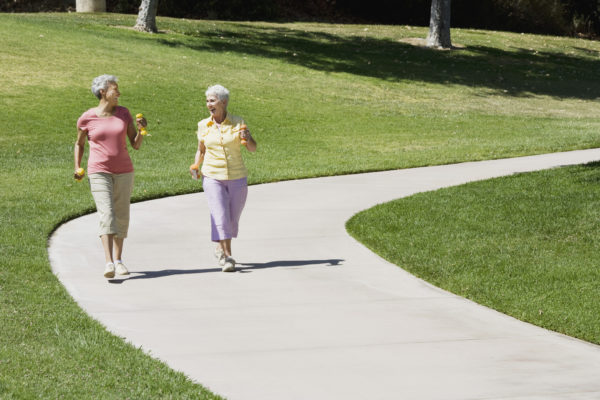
x: 112, y: 93
x: 216, y: 107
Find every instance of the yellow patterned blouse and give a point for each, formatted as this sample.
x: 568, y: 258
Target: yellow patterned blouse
x: 223, y: 157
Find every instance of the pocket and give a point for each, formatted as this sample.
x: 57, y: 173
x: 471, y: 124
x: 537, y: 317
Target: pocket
x: 100, y: 182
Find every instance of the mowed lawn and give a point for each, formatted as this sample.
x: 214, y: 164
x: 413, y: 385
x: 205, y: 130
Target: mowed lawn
x: 321, y: 99
x: 526, y: 245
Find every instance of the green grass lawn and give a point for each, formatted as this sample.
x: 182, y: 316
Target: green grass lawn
x: 526, y: 245
x: 321, y: 99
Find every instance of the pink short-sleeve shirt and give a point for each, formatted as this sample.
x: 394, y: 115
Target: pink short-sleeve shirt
x: 107, y: 137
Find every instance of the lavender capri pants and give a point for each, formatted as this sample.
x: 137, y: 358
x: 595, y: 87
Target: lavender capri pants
x: 226, y: 200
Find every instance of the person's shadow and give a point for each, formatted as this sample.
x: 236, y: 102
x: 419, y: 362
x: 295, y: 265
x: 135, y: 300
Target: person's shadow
x: 241, y: 268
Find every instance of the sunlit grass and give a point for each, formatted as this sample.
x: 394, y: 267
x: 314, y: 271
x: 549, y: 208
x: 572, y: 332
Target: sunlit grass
x: 320, y: 99
x: 525, y: 245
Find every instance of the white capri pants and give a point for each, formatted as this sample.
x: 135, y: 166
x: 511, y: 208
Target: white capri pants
x: 112, y: 194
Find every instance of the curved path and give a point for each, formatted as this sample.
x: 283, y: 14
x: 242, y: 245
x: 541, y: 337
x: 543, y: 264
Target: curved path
x: 312, y: 314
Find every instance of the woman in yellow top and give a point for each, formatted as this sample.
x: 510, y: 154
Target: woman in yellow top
x: 224, y: 175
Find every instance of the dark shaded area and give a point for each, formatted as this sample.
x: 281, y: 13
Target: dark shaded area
x: 591, y: 178
x: 561, y: 17
x: 519, y: 72
x: 244, y: 267
x: 295, y: 263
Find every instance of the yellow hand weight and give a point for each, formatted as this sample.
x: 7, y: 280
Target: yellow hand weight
x: 194, y: 168
x: 143, y: 130
x: 243, y: 128
x: 80, y: 173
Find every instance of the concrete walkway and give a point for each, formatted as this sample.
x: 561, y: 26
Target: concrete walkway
x: 312, y: 314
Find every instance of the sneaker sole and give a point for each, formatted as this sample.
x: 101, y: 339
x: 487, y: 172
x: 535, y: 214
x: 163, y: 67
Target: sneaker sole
x: 228, y: 268
x: 110, y: 274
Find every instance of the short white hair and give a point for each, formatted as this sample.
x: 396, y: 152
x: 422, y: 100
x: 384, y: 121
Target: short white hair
x: 101, y: 83
x: 220, y: 91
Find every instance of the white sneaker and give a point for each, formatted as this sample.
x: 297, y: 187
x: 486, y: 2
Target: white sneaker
x: 109, y: 271
x: 220, y: 255
x: 228, y: 265
x: 121, y: 269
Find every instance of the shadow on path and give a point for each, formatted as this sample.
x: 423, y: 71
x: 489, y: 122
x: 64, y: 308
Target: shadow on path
x: 247, y: 267
x: 242, y: 267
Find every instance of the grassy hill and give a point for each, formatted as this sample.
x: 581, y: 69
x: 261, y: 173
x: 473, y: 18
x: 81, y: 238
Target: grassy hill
x: 321, y: 99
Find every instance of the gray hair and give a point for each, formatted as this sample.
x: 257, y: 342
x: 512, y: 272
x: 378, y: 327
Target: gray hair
x: 220, y: 91
x: 101, y: 83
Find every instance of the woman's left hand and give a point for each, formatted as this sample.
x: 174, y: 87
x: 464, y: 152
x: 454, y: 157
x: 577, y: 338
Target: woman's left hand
x: 245, y: 134
x: 247, y: 140
x: 141, y: 123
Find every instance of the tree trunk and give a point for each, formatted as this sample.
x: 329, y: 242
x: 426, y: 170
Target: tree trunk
x: 146, y: 20
x: 439, y: 25
x: 90, y: 5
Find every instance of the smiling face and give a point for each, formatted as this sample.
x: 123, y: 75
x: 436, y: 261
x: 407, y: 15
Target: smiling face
x: 111, y: 94
x: 216, y: 107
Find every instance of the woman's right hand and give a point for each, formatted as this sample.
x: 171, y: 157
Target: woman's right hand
x: 79, y: 174
x: 194, y: 170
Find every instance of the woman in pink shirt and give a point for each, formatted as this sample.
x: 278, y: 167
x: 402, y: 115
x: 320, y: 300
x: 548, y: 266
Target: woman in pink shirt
x: 110, y: 171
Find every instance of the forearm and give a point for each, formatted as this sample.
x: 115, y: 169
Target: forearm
x: 135, y: 136
x: 198, y: 158
x: 137, y: 141
x: 78, y: 155
x: 251, y: 144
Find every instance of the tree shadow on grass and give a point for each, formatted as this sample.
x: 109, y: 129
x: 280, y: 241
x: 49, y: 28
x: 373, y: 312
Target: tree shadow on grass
x: 592, y: 177
x: 519, y: 72
x: 242, y: 267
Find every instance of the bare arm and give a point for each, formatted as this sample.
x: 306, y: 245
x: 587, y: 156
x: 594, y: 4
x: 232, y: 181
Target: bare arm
x: 135, y: 137
x: 79, y: 150
x: 199, y: 158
